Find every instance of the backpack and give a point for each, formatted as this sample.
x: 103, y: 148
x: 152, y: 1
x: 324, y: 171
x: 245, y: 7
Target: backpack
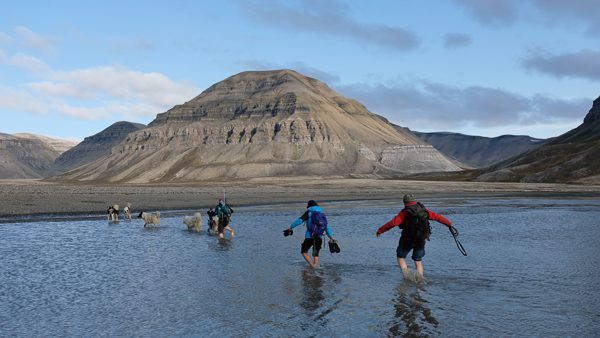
x: 222, y: 211
x: 318, y: 224
x: 417, y: 221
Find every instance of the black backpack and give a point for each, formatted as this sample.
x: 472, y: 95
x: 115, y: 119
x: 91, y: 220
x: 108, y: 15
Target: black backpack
x: 417, y: 221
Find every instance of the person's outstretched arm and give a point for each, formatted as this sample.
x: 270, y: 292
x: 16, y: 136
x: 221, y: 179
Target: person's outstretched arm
x: 328, y: 232
x: 394, y: 222
x: 300, y: 220
x: 439, y: 218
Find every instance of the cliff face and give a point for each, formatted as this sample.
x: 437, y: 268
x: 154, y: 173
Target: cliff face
x: 96, y: 146
x: 573, y: 156
x: 478, y: 151
x: 258, y: 124
x: 25, y: 156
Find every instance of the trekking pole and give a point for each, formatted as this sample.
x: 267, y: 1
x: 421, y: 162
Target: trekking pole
x: 454, y: 233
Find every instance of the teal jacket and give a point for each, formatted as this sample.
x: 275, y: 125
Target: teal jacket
x: 306, y: 218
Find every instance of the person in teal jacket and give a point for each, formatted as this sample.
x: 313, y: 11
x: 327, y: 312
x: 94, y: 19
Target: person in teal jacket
x: 311, y: 237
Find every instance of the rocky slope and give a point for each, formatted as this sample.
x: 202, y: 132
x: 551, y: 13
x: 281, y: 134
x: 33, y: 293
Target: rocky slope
x: 96, y: 146
x: 257, y: 124
x: 479, y: 151
x: 573, y: 156
x: 29, y: 156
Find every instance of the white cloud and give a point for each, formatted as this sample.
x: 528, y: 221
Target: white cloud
x: 5, y: 38
x: 33, y: 40
x: 100, y: 92
x: 116, y: 83
x: 21, y: 101
x: 92, y: 93
x: 28, y: 62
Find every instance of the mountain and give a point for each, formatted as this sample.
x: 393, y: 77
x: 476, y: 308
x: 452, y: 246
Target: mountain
x: 479, y: 151
x: 96, y: 146
x: 257, y: 124
x: 60, y: 145
x: 29, y: 156
x: 573, y: 156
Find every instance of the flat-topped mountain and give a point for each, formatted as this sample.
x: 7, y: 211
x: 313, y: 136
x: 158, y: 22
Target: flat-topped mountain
x: 268, y: 123
x: 95, y: 146
x: 29, y: 155
x: 573, y: 156
x: 479, y: 151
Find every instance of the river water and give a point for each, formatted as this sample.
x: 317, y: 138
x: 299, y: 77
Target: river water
x: 533, y: 269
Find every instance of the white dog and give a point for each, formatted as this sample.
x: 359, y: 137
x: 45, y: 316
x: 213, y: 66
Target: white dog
x: 213, y: 225
x: 151, y: 219
x: 127, y: 211
x: 113, y: 213
x: 193, y: 222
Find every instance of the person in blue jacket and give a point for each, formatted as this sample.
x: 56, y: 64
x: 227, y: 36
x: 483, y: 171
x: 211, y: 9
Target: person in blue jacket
x: 311, y: 238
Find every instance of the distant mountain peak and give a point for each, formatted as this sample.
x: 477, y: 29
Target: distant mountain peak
x: 259, y: 94
x: 96, y: 146
x: 594, y: 113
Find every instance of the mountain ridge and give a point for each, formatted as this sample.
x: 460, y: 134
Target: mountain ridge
x: 257, y: 124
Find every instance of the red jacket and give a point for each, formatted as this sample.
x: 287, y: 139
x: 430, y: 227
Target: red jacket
x: 399, y: 219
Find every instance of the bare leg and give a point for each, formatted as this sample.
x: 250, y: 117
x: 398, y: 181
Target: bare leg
x: 419, y: 273
x: 308, y: 260
x: 230, y: 229
x: 403, y: 267
x: 316, y: 259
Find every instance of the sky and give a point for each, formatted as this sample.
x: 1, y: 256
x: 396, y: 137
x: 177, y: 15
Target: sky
x: 69, y: 69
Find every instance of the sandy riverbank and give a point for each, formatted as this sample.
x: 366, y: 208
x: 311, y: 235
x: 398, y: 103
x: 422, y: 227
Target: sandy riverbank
x: 21, y: 197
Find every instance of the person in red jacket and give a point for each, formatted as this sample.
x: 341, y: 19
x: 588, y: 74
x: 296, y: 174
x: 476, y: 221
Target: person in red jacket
x: 414, y: 222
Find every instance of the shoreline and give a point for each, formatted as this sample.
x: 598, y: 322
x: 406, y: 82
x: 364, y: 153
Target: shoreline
x: 31, y: 197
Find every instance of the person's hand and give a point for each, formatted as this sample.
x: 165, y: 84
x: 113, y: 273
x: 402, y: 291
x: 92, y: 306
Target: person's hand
x: 377, y: 234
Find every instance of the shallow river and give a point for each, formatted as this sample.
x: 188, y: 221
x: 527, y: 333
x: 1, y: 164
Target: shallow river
x: 533, y: 269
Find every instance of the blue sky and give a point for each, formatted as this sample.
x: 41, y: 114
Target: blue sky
x: 69, y: 69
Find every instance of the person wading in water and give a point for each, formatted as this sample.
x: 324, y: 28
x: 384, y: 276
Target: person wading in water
x: 316, y: 227
x: 414, y: 222
x: 224, y: 211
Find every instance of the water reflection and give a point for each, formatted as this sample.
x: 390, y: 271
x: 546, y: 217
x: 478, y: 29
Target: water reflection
x: 221, y: 244
x: 412, y: 316
x: 312, y: 291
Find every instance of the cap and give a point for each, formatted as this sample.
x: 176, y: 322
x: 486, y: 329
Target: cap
x: 408, y: 198
x: 311, y: 203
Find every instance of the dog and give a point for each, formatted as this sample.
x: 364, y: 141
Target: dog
x: 193, y: 222
x: 151, y: 219
x: 113, y: 213
x: 127, y: 211
x: 213, y: 222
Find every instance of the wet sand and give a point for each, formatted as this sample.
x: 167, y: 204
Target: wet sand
x: 22, y: 197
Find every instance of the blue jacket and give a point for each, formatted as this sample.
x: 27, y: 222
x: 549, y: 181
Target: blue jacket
x: 306, y: 218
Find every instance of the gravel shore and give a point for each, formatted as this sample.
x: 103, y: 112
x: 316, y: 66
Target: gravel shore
x: 23, y: 197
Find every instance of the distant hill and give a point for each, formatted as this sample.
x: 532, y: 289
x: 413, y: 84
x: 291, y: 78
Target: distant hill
x: 29, y: 155
x: 573, y: 156
x: 261, y: 124
x: 479, y: 151
x: 60, y: 145
x: 95, y: 146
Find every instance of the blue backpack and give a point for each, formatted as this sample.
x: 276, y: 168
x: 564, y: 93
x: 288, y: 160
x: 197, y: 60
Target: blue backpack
x: 318, y: 224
